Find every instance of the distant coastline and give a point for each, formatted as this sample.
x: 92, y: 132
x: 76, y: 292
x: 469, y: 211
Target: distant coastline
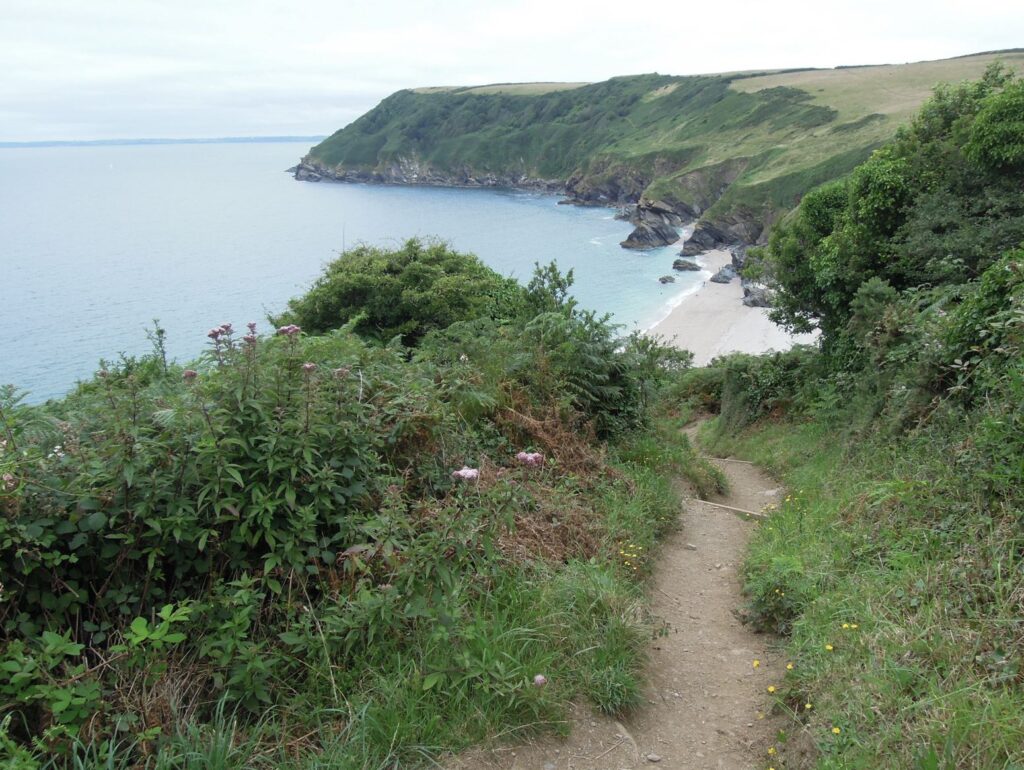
x: 200, y: 140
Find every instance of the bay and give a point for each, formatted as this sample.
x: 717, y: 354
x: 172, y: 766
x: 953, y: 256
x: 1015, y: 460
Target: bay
x: 96, y: 242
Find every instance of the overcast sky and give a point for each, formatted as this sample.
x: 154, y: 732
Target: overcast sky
x: 99, y: 69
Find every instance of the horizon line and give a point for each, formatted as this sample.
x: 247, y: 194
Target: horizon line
x: 161, y: 140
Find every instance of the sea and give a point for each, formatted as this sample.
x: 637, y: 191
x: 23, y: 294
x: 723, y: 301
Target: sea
x: 98, y: 241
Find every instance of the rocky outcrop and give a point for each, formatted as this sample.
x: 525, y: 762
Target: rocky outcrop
x: 602, y: 184
x: 739, y: 257
x: 649, y: 236
x: 725, y: 275
x: 705, y: 238
x: 405, y: 171
x: 755, y: 295
x: 667, y: 279
x: 685, y: 264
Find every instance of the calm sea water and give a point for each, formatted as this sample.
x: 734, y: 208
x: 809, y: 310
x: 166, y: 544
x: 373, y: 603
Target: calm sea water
x: 95, y: 242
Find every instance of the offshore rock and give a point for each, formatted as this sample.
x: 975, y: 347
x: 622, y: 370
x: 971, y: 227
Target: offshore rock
x: 667, y: 279
x: 685, y: 264
x: 649, y: 235
x: 628, y: 213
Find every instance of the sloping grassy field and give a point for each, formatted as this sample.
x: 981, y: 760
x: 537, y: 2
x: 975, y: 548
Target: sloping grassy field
x: 735, y: 149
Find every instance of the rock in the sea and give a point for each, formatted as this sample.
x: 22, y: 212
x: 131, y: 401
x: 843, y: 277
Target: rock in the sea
x: 628, y: 213
x: 725, y: 275
x: 685, y: 264
x: 667, y: 279
x: 649, y: 235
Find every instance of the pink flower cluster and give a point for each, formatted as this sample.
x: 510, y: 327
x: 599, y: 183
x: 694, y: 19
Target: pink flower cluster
x: 224, y: 330
x: 289, y: 331
x: 189, y: 374
x: 10, y: 483
x: 530, y: 459
x: 309, y: 367
x: 540, y: 680
x: 466, y: 474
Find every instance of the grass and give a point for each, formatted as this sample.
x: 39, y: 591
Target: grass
x: 902, y: 598
x: 891, y: 89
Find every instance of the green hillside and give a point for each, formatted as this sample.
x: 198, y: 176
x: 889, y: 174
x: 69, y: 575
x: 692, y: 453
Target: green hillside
x: 734, y: 149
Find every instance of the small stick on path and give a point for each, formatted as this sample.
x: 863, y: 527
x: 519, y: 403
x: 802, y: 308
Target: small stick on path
x: 736, y: 510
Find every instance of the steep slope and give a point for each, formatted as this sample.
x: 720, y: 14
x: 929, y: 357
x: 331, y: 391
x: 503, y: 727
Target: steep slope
x: 732, y: 150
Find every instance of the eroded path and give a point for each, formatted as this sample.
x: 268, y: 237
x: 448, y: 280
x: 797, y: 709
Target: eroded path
x: 706, y: 701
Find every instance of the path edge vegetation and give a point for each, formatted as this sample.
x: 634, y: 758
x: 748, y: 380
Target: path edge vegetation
x: 894, y: 567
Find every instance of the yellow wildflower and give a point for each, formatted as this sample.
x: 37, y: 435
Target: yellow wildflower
x: 789, y: 667
x: 829, y: 647
x: 756, y: 663
x: 771, y: 688
x: 771, y: 751
x: 836, y: 731
x: 846, y: 625
x: 853, y: 625
x: 808, y: 707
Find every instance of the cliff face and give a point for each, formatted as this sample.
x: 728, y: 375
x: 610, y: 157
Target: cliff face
x: 729, y: 152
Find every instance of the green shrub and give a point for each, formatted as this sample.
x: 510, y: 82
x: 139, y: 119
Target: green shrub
x: 406, y: 292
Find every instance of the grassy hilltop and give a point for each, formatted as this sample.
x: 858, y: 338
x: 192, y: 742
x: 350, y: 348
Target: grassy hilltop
x: 734, y: 149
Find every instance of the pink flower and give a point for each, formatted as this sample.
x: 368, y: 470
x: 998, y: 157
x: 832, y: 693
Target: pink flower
x: 249, y: 339
x: 252, y: 327
x: 10, y: 482
x: 466, y: 474
x: 540, y: 680
x: 530, y: 459
x: 214, y: 334
x: 309, y: 367
x: 289, y: 331
x: 225, y: 328
x: 342, y: 372
x: 189, y: 374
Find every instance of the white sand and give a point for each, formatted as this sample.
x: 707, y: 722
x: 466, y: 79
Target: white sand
x: 714, y: 321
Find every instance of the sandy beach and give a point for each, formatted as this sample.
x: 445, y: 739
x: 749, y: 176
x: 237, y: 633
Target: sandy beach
x: 714, y: 321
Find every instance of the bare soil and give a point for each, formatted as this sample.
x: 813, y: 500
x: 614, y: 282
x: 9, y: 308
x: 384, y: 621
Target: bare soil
x: 706, y: 702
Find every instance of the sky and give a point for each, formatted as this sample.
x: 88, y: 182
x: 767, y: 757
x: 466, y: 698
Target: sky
x: 107, y: 69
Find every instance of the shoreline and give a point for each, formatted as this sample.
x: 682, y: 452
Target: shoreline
x: 713, y: 321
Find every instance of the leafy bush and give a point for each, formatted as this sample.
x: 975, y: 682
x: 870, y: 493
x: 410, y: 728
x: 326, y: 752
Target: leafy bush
x: 408, y: 292
x: 934, y: 207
